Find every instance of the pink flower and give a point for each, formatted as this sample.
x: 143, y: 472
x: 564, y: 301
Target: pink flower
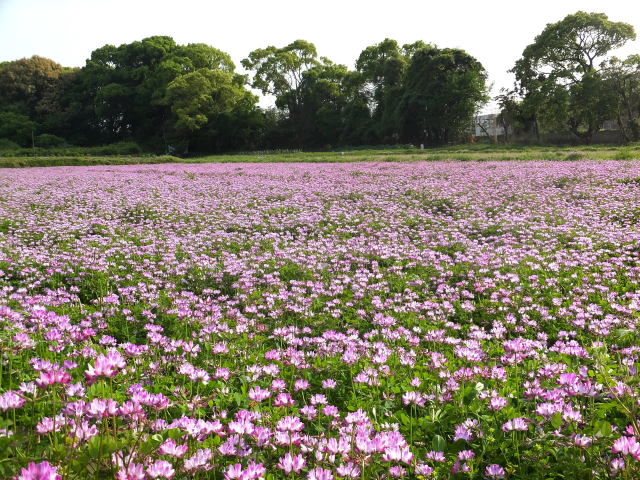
x: 254, y: 471
x: 397, y: 471
x: 257, y: 394
x: 51, y: 377
x: 462, y: 433
x: 105, y: 366
x: 233, y: 472
x: 290, y: 424
x: 627, y: 446
x: 494, y: 471
x: 330, y: 411
x: 39, y: 471
x: 348, y: 470
x: 10, y: 399
x: 318, y: 399
x: 582, y: 440
x: 170, y: 447
x: 397, y: 453
x: 160, y: 469
x: 290, y: 463
x: 423, y: 469
x: 283, y: 400
x: 309, y: 412
x: 329, y: 384
x: 319, y: 474
x: 497, y: 403
x: 133, y: 471
x: 618, y: 464
x: 413, y: 398
x: 518, y: 424
x: 301, y: 385
x: 199, y: 461
x: 466, y: 455
x: 436, y: 456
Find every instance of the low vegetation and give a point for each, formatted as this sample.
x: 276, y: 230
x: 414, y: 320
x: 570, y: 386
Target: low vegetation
x: 320, y: 321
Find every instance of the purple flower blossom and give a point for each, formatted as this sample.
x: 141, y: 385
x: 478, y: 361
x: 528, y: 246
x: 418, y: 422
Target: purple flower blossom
x: 494, y: 471
x: 39, y: 471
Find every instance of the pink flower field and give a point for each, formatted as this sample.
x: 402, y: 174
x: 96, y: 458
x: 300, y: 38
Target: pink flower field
x: 320, y: 321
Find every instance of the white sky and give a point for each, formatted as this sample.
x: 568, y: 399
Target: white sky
x: 494, y: 31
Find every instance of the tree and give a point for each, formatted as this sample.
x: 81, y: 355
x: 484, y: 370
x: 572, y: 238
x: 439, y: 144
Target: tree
x: 511, y: 116
x: 623, y: 78
x: 324, y: 96
x: 126, y: 87
x: 279, y: 71
x: 24, y: 82
x: 197, y: 97
x: 313, y: 93
x: 443, y: 90
x: 17, y: 128
x: 561, y: 65
x: 383, y: 67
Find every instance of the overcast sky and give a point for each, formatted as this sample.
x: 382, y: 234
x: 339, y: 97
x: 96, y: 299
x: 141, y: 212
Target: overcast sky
x: 494, y: 31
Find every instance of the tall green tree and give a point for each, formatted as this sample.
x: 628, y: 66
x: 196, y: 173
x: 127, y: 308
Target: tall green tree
x: 279, y: 71
x: 25, y: 83
x: 443, y: 90
x: 383, y: 67
x: 559, y: 74
x: 314, y: 94
x: 197, y: 98
x: 324, y: 96
x: 127, y: 85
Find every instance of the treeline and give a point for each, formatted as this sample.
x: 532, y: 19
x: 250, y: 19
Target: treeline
x: 185, y: 99
x: 190, y: 98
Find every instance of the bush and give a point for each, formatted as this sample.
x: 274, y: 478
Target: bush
x: 46, y: 140
x: 120, y: 148
x: 8, y: 145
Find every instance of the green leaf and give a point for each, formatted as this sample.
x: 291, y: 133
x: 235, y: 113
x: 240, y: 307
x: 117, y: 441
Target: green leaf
x: 603, y: 428
x: 404, y: 418
x: 101, y: 445
x: 557, y: 421
x: 439, y: 443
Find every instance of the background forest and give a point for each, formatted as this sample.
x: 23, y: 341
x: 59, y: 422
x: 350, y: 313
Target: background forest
x: 158, y: 96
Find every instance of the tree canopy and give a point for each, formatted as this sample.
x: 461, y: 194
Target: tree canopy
x: 559, y: 75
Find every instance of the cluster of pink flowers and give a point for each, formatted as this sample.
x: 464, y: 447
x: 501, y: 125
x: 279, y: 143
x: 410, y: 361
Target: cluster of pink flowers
x: 320, y: 321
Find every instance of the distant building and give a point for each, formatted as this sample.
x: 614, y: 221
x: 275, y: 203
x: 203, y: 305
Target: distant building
x: 488, y: 125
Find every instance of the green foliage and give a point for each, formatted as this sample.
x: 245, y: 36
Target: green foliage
x: 443, y: 90
x: 8, y: 145
x: 25, y: 84
x: 558, y: 77
x: 197, y: 98
x: 46, y: 140
x: 278, y: 71
x: 17, y: 128
x: 622, y: 77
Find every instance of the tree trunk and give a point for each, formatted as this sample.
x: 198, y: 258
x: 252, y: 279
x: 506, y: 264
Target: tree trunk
x: 490, y: 137
x: 623, y: 130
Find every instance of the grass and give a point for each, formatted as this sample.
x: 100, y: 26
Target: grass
x: 477, y: 152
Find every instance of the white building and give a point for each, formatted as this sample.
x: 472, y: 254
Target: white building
x: 488, y: 125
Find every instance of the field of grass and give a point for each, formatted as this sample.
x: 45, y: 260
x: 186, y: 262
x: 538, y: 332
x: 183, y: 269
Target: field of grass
x: 481, y: 152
